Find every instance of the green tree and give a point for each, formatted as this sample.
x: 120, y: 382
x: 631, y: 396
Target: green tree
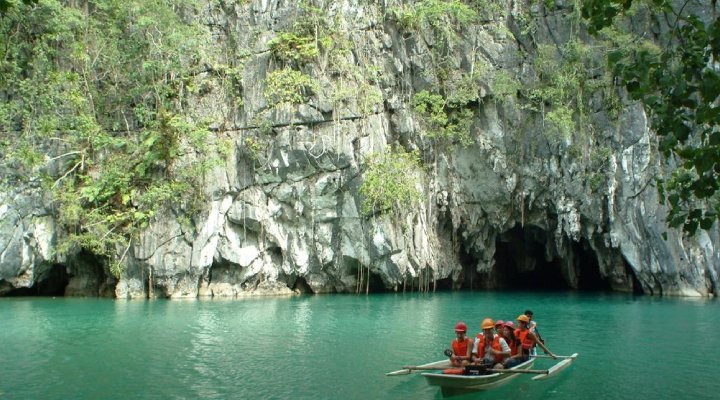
x: 678, y: 81
x: 388, y: 183
x: 96, y: 102
x: 6, y: 4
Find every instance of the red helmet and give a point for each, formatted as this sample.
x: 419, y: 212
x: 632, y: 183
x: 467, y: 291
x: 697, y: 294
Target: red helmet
x: 460, y: 327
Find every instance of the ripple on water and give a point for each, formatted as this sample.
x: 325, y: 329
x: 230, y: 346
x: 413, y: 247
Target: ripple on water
x: 340, y: 346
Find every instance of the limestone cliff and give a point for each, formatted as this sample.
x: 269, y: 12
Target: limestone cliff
x: 515, y: 206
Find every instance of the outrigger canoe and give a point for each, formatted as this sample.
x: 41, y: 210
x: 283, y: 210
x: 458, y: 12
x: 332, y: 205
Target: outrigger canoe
x: 481, y: 382
x: 474, y: 382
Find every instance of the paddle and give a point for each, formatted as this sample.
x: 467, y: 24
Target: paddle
x: 421, y: 368
x: 408, y: 370
x: 501, y: 371
x: 559, y: 366
x: 558, y: 357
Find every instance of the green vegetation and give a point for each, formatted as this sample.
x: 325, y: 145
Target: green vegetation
x: 444, y: 17
x: 106, y: 91
x: 444, y: 118
x: 679, y: 84
x: 289, y: 86
x: 292, y: 46
x: 5, y: 5
x: 310, y: 41
x: 388, y: 183
x: 564, y: 76
x: 568, y: 82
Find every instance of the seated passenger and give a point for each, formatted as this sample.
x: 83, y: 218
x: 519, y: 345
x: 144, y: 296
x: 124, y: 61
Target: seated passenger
x: 513, y: 343
x: 461, y: 347
x: 490, y: 349
x: 528, y: 340
x: 507, y: 331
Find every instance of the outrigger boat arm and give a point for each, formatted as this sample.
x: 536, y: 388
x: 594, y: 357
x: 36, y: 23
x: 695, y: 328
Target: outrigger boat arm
x: 541, y: 374
x: 564, y: 363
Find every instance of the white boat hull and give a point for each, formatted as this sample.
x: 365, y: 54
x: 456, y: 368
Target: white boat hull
x: 472, y: 382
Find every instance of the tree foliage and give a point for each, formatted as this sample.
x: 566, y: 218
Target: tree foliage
x: 5, y: 5
x: 442, y: 118
x: 445, y: 18
x: 96, y: 100
x: 388, y: 183
x: 678, y: 81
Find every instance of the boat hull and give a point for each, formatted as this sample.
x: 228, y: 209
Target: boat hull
x: 472, y: 382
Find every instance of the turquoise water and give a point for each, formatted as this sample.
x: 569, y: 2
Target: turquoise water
x: 339, y: 347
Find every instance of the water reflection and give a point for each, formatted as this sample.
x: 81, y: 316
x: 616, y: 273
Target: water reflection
x: 341, y: 346
x: 301, y: 316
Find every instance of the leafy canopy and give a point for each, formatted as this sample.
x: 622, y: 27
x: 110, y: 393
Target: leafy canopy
x: 388, y: 183
x: 96, y: 102
x: 679, y: 84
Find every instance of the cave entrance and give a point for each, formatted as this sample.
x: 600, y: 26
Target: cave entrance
x: 365, y: 279
x: 521, y: 261
x: 50, y: 282
x: 586, y: 262
x: 301, y: 286
x: 526, y: 259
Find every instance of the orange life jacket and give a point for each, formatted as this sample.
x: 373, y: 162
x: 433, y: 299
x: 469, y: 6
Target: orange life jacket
x: 526, y: 342
x: 454, y: 371
x: 495, y: 345
x: 461, y: 348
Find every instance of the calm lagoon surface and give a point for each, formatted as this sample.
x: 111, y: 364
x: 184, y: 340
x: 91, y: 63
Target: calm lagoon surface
x: 341, y: 346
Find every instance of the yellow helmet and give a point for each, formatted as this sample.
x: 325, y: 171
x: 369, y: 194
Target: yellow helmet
x: 487, y: 323
x: 523, y: 318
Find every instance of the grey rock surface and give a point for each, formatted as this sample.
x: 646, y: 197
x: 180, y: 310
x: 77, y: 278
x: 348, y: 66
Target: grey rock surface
x: 287, y: 218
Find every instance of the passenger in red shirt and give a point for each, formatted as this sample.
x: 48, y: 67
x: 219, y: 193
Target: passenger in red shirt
x: 461, y: 346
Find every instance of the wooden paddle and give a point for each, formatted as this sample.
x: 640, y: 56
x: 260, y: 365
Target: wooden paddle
x: 520, y: 371
x: 420, y: 368
x: 501, y: 371
x: 409, y: 369
x: 559, y: 366
x: 574, y: 356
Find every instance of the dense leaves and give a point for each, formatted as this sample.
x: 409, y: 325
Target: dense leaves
x: 5, y: 5
x: 389, y: 183
x: 96, y: 101
x: 679, y: 84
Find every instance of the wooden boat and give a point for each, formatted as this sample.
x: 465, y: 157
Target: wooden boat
x: 474, y: 382
x: 481, y: 382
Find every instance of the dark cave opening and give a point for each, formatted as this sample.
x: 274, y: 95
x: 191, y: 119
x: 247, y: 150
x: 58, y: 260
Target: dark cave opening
x: 376, y: 283
x: 525, y: 259
x: 362, y: 275
x: 589, y: 278
x: 520, y: 262
x: 470, y: 278
x: 51, y: 282
x: 444, y: 284
x: 637, y: 288
x: 302, y: 286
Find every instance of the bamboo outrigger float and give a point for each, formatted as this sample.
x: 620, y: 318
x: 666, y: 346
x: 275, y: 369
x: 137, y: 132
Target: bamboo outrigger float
x: 482, y: 382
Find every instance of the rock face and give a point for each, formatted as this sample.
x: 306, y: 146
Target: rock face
x: 503, y: 211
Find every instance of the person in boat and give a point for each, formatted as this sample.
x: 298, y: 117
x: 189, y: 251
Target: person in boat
x: 461, y: 346
x: 490, y: 349
x: 532, y: 325
x: 508, y: 333
x: 528, y: 340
